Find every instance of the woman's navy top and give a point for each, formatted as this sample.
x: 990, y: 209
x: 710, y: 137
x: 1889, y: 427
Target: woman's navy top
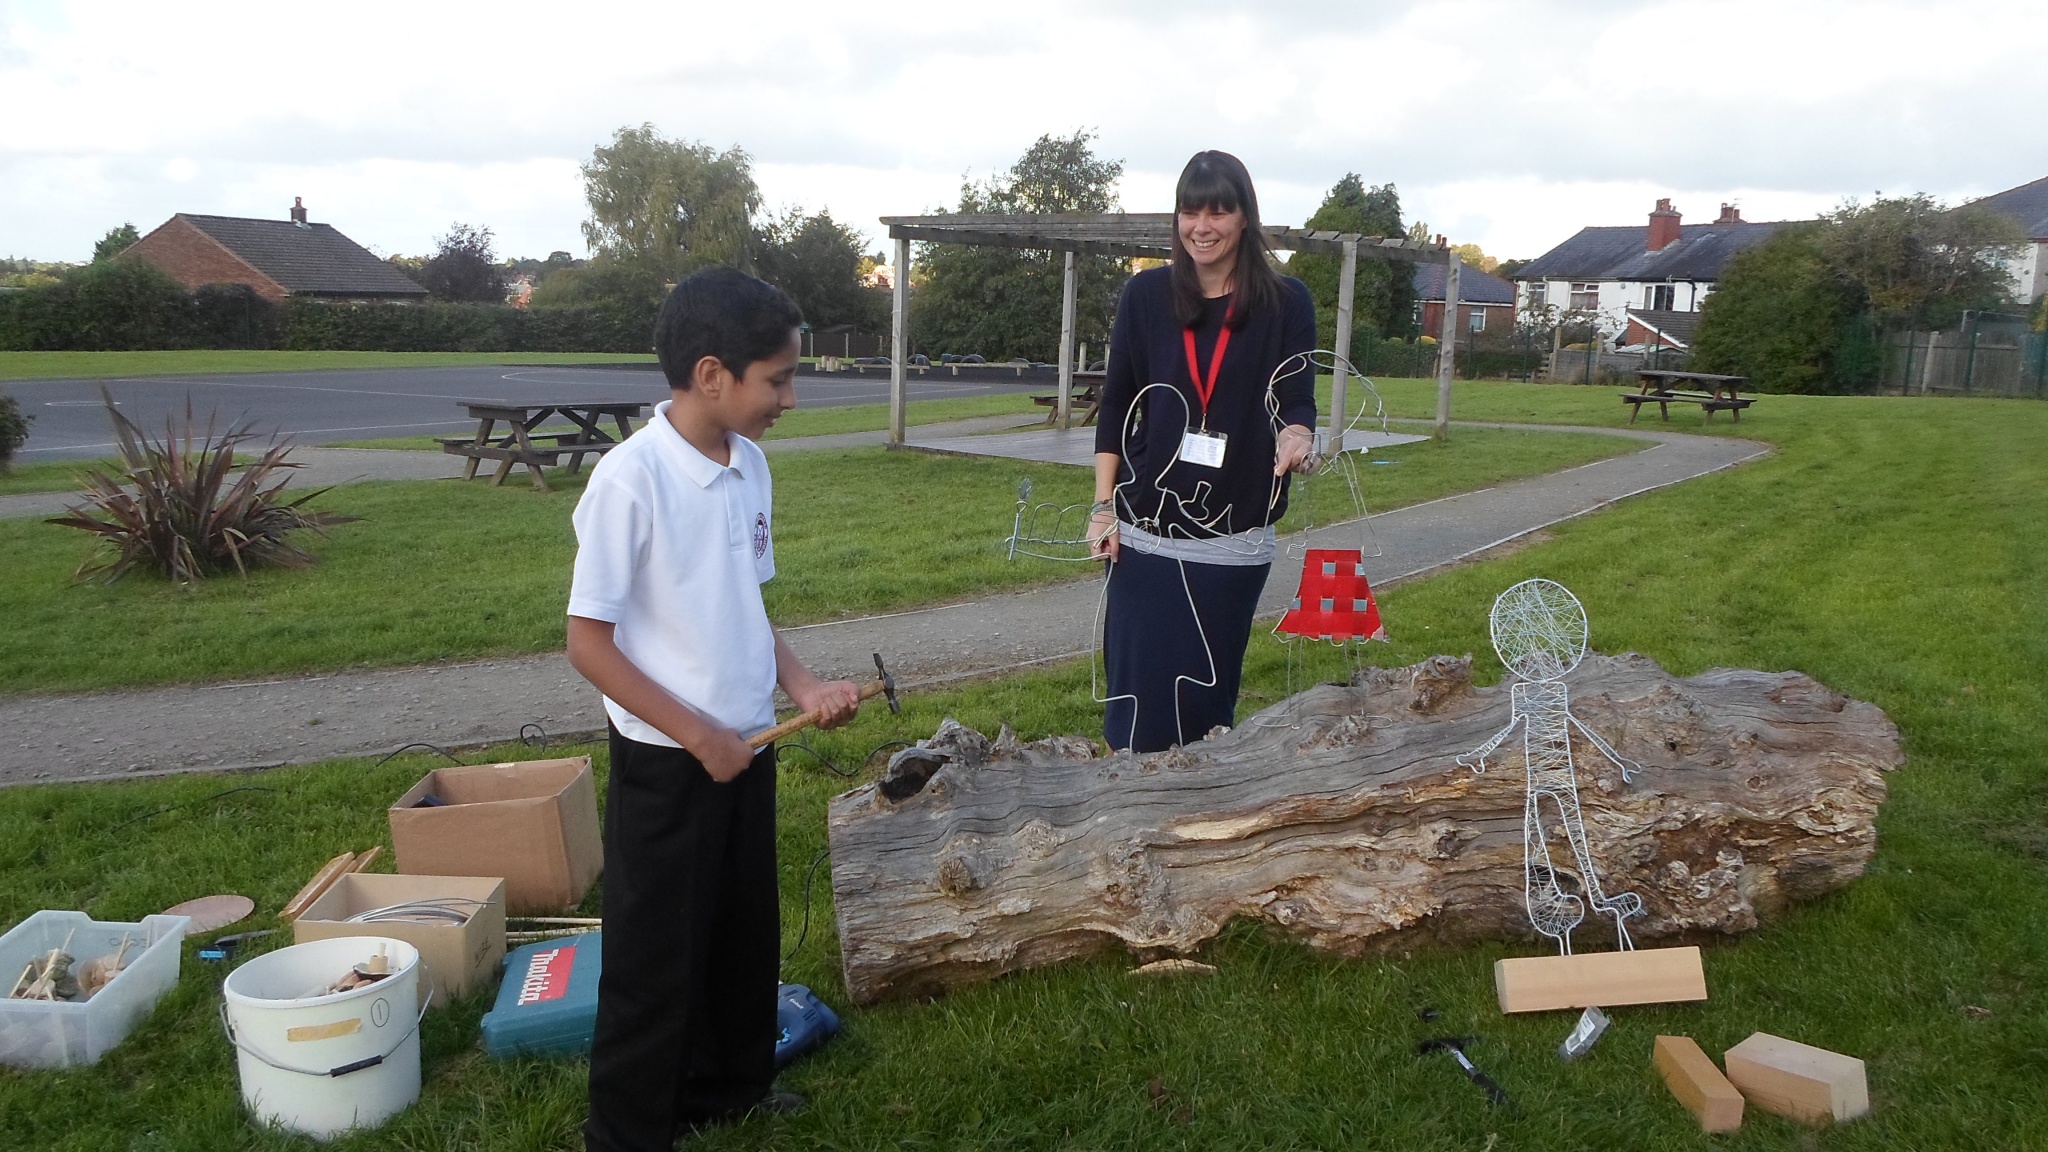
x: 1146, y: 347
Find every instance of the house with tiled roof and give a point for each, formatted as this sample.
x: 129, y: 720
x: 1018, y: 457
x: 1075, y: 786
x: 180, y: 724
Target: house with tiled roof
x: 1486, y: 303
x: 275, y: 258
x: 2026, y: 206
x: 1652, y: 271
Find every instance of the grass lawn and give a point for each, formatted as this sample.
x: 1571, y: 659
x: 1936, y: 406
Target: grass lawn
x: 1892, y: 548
x: 46, y: 476
x: 487, y: 569
x: 194, y: 361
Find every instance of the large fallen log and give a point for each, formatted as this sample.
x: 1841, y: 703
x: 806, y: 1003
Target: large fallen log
x: 1341, y: 816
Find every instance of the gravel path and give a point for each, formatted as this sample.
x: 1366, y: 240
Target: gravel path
x: 126, y: 733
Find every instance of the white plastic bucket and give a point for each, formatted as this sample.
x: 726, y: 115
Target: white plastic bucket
x: 322, y: 1064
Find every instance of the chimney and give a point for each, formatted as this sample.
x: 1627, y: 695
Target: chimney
x: 1663, y: 226
x: 299, y: 211
x: 1730, y: 214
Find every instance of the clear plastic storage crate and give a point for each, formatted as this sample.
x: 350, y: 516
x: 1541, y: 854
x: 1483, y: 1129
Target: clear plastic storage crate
x: 60, y: 1033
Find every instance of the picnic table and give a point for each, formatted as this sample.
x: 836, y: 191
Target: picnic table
x: 1664, y: 388
x: 519, y: 444
x: 1087, y: 399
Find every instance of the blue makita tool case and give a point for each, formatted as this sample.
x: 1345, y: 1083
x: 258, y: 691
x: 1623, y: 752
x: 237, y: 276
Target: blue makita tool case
x: 547, y: 1005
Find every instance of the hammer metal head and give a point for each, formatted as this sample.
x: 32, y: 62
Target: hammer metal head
x: 888, y: 686
x: 1445, y: 1043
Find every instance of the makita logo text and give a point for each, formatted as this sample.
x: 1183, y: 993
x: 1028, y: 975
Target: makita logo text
x: 547, y: 976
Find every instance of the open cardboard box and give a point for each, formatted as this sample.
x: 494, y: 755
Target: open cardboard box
x: 458, y: 957
x: 532, y: 822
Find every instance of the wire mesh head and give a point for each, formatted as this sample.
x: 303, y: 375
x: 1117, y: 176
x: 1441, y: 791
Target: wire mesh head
x: 1539, y: 629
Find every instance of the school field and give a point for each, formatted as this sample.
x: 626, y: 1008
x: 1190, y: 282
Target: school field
x: 1891, y: 548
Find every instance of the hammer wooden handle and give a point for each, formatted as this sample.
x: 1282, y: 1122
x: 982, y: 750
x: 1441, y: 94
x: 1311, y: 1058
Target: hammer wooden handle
x: 803, y: 720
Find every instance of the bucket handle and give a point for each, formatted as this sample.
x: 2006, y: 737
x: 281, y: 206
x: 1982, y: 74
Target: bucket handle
x: 343, y: 1070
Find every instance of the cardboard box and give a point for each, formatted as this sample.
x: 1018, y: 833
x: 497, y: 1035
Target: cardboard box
x: 459, y: 957
x: 532, y: 822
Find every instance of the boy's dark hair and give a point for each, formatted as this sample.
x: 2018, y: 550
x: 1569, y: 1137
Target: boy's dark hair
x: 1218, y: 181
x: 721, y: 312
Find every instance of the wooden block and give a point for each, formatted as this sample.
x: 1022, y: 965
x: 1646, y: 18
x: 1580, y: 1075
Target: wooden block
x: 1603, y: 979
x: 1808, y: 1084
x: 368, y: 857
x: 1699, y: 1085
x: 320, y: 882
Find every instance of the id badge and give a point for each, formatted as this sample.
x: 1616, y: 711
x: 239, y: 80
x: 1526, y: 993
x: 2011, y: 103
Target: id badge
x: 1198, y: 446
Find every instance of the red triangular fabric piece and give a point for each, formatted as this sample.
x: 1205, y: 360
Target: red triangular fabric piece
x: 1335, y: 603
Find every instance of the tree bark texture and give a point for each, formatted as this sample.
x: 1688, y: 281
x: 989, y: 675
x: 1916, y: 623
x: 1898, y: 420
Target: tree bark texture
x: 1342, y: 817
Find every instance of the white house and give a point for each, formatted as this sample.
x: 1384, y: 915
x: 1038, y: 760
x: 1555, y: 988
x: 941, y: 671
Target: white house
x: 2027, y: 206
x: 1633, y: 279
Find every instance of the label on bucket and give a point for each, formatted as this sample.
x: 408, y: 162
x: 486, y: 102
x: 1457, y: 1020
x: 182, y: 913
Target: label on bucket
x: 547, y: 975
x: 307, y: 1032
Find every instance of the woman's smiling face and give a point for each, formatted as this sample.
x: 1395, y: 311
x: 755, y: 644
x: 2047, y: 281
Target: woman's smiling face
x: 1211, y: 236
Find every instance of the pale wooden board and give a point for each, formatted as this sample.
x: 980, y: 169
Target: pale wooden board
x: 211, y: 912
x: 1698, y: 1084
x: 1600, y: 979
x: 319, y: 883
x: 1807, y: 1084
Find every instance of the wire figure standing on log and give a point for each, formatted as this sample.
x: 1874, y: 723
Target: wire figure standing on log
x: 1539, y: 631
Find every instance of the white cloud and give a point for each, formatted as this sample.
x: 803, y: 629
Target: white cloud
x: 1508, y: 123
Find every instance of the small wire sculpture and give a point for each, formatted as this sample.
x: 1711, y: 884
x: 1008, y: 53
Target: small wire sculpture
x: 1539, y: 631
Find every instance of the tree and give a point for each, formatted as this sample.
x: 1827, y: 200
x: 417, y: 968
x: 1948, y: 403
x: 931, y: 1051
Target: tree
x: 114, y: 242
x: 464, y: 267
x: 1801, y: 311
x: 1005, y: 302
x: 1383, y: 298
x: 819, y: 262
x: 1783, y: 317
x: 1917, y: 264
x: 669, y: 206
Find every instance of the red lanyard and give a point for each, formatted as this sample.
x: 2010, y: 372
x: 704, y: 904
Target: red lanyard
x: 1204, y: 391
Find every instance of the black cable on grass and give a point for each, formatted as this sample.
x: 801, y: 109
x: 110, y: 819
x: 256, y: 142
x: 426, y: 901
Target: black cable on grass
x: 808, y: 877
x: 190, y: 803
x: 416, y: 744
x: 820, y: 757
x: 534, y: 736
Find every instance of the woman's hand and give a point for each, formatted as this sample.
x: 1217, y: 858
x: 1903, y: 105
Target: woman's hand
x: 1102, y: 542
x: 1295, y: 451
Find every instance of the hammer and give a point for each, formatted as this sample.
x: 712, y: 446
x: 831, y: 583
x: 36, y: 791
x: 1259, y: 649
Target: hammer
x: 882, y: 685
x: 1455, y: 1045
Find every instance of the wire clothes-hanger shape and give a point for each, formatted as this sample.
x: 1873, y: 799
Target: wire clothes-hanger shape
x: 1539, y: 631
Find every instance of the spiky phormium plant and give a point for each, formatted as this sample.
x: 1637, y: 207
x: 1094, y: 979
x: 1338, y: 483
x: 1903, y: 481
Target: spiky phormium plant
x: 182, y: 507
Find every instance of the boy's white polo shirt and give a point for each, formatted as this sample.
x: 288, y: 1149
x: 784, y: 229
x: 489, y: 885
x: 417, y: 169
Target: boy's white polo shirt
x: 673, y: 549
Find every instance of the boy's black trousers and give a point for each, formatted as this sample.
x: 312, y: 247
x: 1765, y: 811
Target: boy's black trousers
x: 686, y: 1006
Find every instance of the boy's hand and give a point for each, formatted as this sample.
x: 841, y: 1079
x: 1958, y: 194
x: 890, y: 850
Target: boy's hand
x: 725, y: 755
x: 835, y: 701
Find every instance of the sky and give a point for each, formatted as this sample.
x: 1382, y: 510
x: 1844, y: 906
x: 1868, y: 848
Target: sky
x: 1510, y: 125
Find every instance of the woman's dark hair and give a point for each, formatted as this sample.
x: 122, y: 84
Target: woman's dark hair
x: 721, y: 312
x: 1217, y: 181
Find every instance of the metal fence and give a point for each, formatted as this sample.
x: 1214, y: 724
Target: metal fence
x: 1989, y: 354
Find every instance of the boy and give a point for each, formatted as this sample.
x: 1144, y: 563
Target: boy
x: 665, y: 618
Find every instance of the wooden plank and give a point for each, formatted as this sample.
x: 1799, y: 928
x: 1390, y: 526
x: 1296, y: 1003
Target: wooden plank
x: 320, y: 882
x: 1602, y: 979
x: 1807, y: 1084
x: 1699, y: 1085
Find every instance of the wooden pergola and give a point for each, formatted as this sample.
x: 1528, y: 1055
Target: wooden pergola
x: 1145, y: 234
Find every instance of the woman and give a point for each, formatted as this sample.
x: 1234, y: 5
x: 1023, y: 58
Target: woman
x: 1190, y: 473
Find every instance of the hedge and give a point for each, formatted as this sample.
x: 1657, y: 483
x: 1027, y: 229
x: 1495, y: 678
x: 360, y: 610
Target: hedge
x: 129, y: 305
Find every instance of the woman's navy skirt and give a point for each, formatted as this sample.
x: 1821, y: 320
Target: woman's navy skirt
x: 1173, y: 641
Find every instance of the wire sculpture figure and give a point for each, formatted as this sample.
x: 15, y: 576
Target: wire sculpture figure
x: 1047, y: 530
x: 1539, y: 631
